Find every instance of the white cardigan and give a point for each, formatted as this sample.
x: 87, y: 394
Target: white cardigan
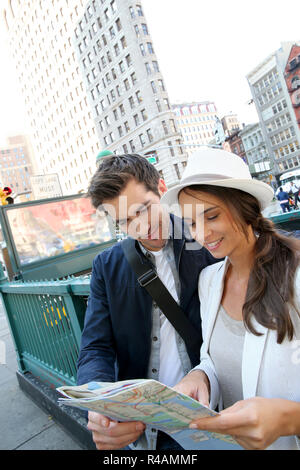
x: 269, y: 368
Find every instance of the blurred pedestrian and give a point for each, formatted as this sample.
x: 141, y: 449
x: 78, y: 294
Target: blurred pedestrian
x: 283, y: 198
x: 295, y: 191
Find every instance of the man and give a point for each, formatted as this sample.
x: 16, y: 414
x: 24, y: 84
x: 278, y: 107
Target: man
x: 125, y: 335
x: 294, y: 188
x: 283, y: 198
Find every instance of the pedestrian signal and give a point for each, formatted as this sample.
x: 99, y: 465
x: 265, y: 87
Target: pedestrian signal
x: 5, y: 197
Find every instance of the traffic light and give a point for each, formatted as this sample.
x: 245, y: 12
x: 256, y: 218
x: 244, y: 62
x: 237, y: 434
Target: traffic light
x: 5, y: 196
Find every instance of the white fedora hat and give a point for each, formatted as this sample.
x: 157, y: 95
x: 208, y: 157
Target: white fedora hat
x: 216, y: 167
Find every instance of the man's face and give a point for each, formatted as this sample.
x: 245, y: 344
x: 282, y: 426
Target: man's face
x: 140, y: 215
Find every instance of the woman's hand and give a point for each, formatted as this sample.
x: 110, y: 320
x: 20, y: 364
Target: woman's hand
x: 254, y: 423
x: 195, y: 385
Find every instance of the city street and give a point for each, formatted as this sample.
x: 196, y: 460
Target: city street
x: 24, y: 426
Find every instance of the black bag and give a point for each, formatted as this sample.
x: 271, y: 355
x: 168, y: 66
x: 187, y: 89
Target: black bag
x: 148, y: 278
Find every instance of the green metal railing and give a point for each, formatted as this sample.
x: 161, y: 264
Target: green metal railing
x: 46, y: 320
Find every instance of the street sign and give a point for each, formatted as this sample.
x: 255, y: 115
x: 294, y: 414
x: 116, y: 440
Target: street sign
x: 46, y: 186
x: 151, y: 159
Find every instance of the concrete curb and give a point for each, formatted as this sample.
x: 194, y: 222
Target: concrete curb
x: 72, y: 420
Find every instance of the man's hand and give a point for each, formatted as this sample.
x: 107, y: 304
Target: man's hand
x: 195, y: 385
x: 111, y: 435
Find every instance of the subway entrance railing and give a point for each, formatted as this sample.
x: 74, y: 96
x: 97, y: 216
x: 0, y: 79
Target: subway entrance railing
x: 46, y: 320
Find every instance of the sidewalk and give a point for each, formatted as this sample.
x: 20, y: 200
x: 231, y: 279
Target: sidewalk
x: 24, y: 426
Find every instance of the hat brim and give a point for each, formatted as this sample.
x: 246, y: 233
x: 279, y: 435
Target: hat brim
x: 260, y: 190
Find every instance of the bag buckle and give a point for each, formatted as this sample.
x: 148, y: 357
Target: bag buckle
x: 147, y: 277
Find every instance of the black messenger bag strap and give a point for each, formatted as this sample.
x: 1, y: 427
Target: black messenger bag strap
x: 147, y: 278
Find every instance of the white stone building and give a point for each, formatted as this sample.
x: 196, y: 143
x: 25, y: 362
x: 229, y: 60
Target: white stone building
x: 276, y: 114
x: 197, y: 122
x: 125, y: 88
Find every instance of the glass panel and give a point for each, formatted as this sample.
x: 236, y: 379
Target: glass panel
x: 55, y: 228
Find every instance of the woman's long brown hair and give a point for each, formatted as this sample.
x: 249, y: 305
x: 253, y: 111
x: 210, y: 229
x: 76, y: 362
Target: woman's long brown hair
x: 270, y: 291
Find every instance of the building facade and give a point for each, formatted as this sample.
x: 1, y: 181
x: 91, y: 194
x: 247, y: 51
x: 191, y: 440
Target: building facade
x: 64, y: 137
x: 292, y: 79
x: 17, y: 165
x: 196, y: 122
x: 230, y: 124
x: 125, y: 88
x: 256, y: 152
x: 275, y: 109
x: 233, y: 143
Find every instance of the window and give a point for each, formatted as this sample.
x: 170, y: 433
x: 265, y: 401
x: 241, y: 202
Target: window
x: 113, y: 6
x: 149, y: 135
x: 177, y: 170
x: 137, y: 30
x: 112, y: 32
x: 139, y: 97
x: 165, y: 128
x: 126, y: 125
x: 153, y: 87
x: 118, y: 24
x: 115, y: 113
x: 166, y: 103
x: 121, y: 67
x: 155, y: 66
x: 120, y: 130
x: 106, y: 14
x: 131, y: 102
x: 142, y: 140
x: 123, y: 42
x: 136, y: 119
x: 161, y: 85
x: 148, y: 69
x: 142, y: 49
x: 131, y: 10
x: 133, y: 78
x: 172, y: 125
x: 144, y: 115
x: 150, y: 48
x: 158, y: 106
x: 132, y: 146
x: 126, y: 84
x: 116, y: 49
x: 145, y: 29
x: 128, y: 60
x: 139, y: 10
x: 122, y: 110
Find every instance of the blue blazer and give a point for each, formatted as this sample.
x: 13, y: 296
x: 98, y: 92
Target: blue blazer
x: 116, y: 338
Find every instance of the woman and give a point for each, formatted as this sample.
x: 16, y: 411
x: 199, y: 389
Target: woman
x: 250, y: 304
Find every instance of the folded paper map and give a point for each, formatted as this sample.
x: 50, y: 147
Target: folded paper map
x: 151, y: 402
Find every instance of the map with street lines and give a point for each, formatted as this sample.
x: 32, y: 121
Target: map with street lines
x: 151, y: 402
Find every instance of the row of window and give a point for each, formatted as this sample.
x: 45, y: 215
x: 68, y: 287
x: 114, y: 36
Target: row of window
x: 270, y: 94
x: 205, y: 135
x: 289, y: 164
x: 137, y: 11
x: 279, y: 122
x: 253, y: 140
x: 287, y: 149
x: 144, y: 28
x: 110, y: 137
x: 256, y: 155
x: 266, y: 81
x: 189, y: 130
x: 283, y: 136
x: 184, y: 120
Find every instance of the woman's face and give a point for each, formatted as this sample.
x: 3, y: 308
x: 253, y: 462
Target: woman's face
x: 211, y: 223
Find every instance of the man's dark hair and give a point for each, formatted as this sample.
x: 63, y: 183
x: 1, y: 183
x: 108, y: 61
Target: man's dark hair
x: 115, y: 171
x: 280, y: 189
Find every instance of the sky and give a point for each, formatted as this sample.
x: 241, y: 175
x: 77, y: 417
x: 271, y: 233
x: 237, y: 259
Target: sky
x: 205, y: 50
